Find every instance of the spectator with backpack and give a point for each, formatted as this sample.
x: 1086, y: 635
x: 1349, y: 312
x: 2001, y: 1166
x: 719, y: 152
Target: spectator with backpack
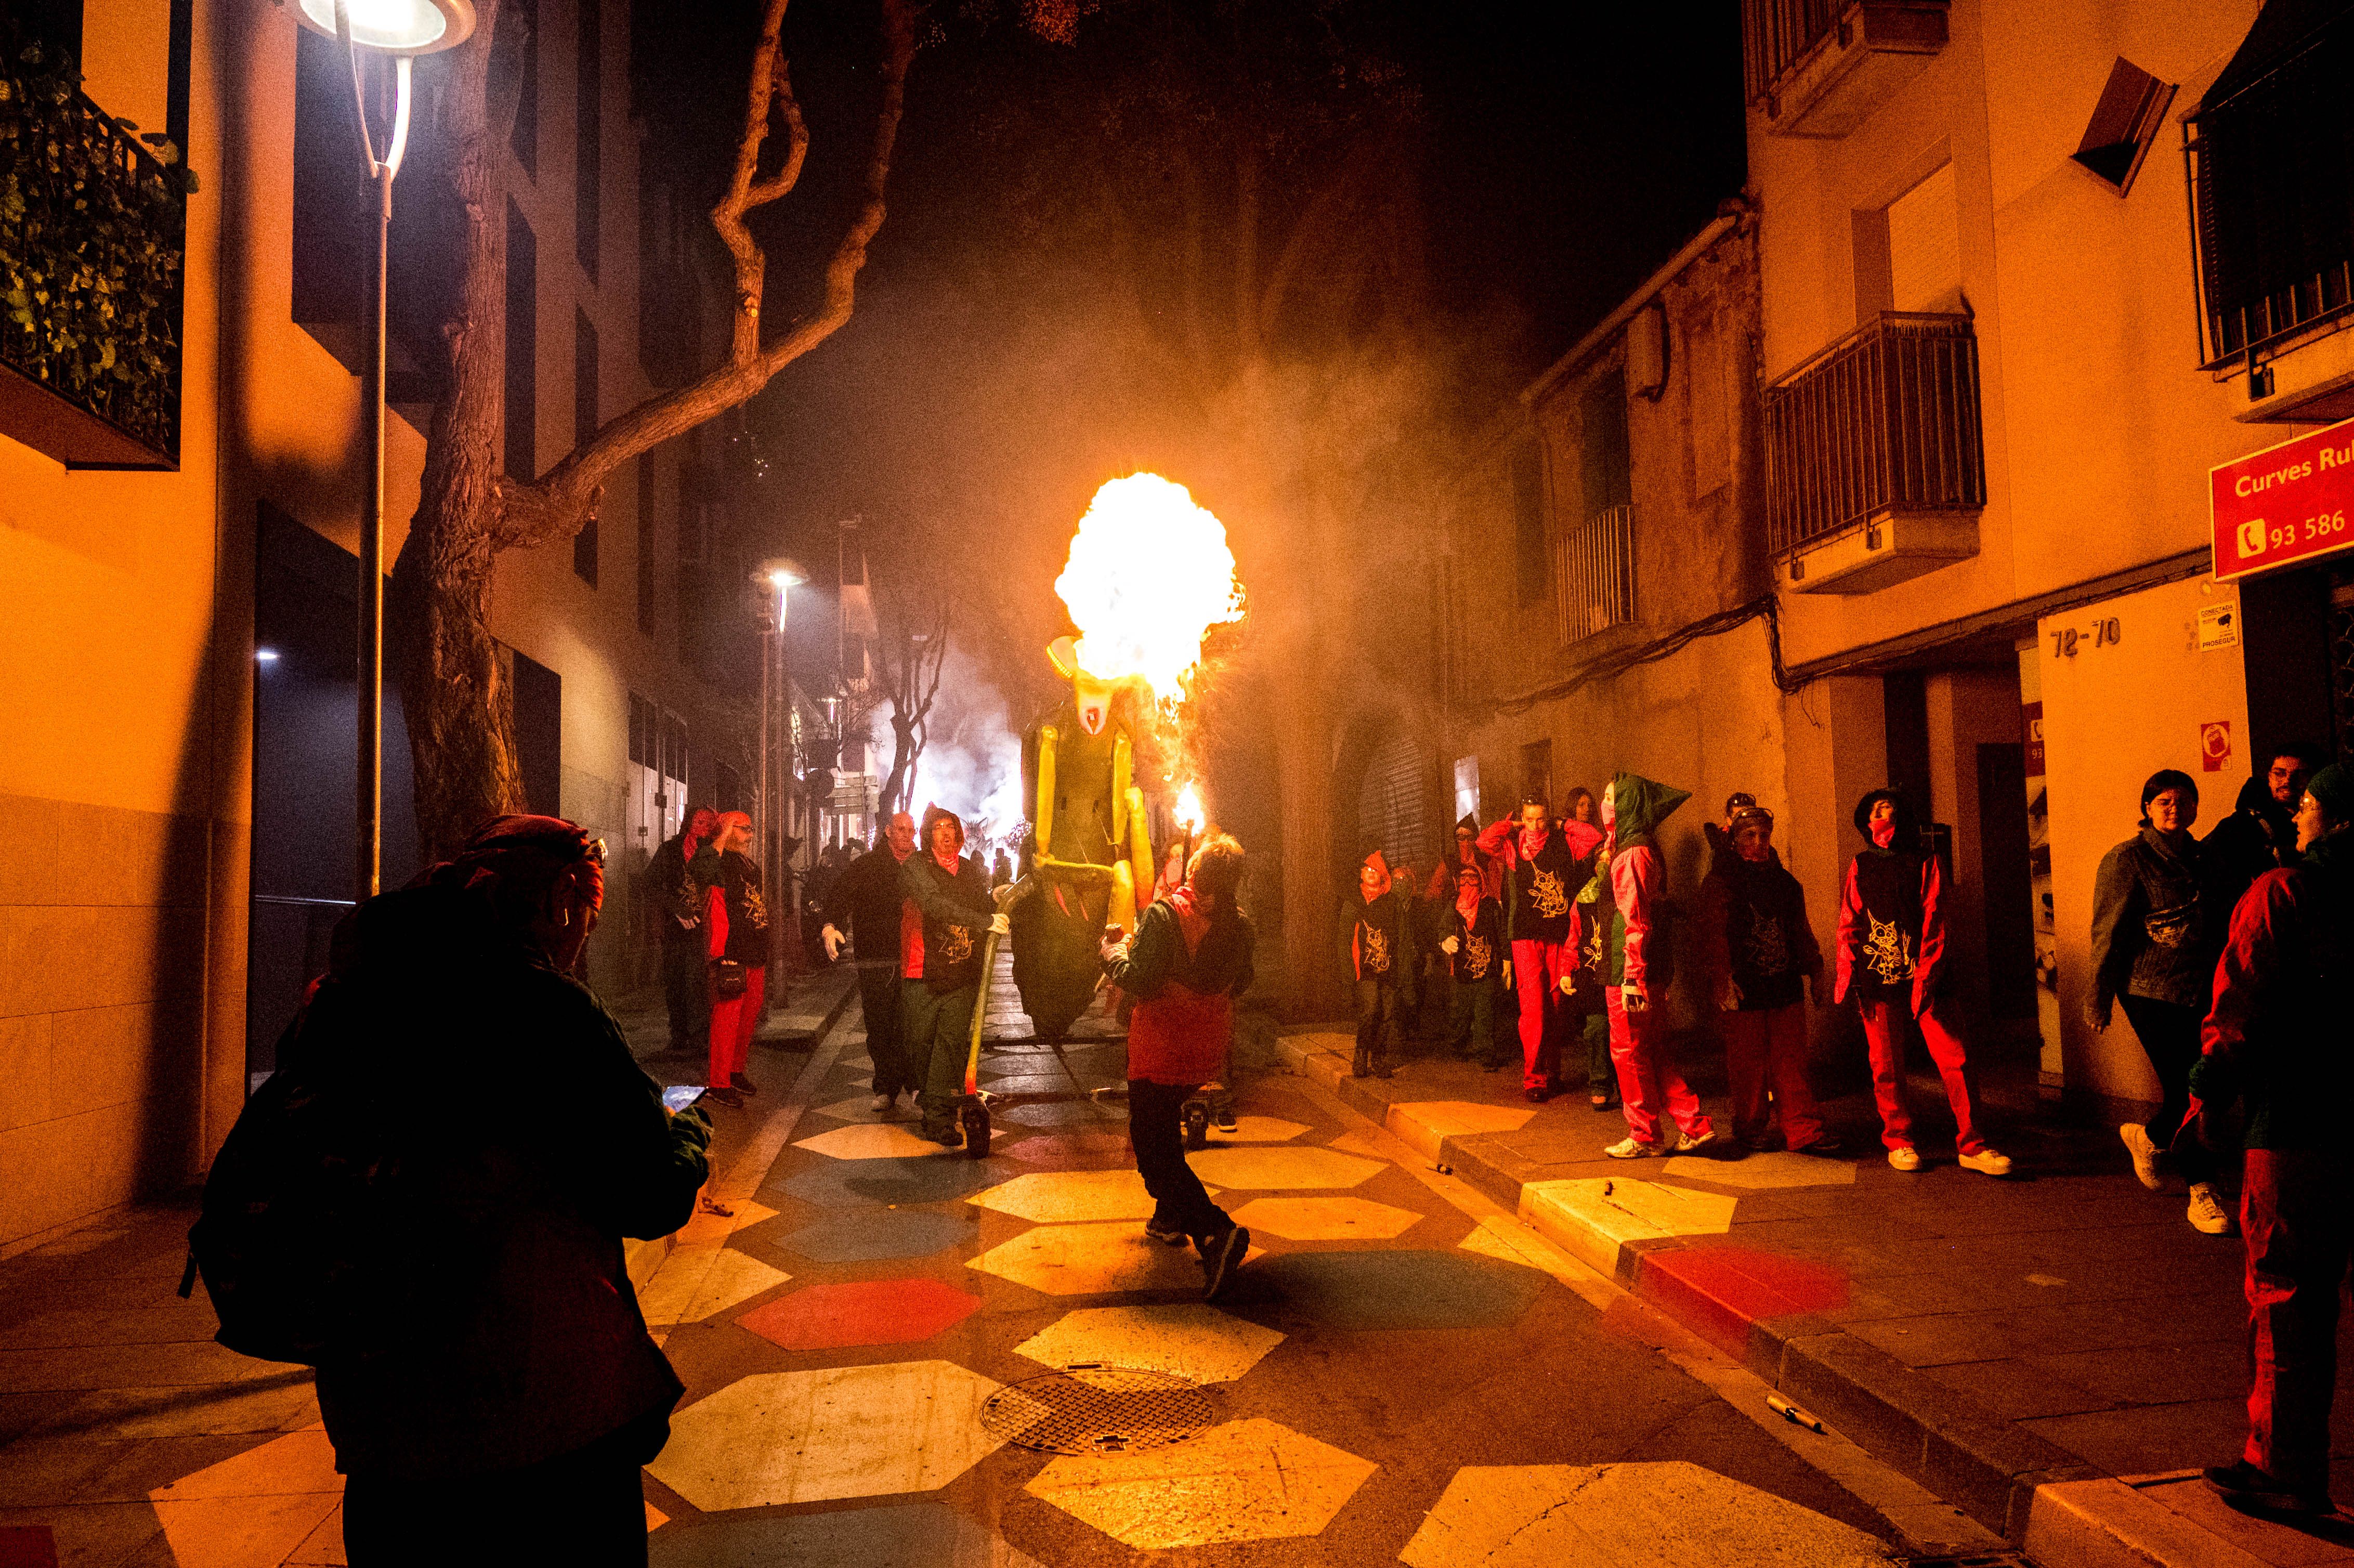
x: 427, y: 1204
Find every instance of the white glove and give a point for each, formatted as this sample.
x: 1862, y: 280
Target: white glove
x: 1449, y: 947
x: 833, y: 940
x: 1631, y: 1000
x: 999, y: 925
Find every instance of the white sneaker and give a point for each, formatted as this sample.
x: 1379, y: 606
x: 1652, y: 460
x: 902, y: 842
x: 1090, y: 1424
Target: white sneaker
x: 2144, y: 1152
x: 2207, y: 1213
x: 881, y: 1104
x: 1633, y: 1148
x: 1988, y: 1162
x: 1685, y: 1143
x: 1905, y: 1159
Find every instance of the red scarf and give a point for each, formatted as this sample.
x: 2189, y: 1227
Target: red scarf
x: 1532, y: 843
x: 949, y: 862
x: 1467, y: 902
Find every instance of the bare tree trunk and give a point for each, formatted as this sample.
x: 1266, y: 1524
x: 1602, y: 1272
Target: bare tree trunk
x: 461, y: 736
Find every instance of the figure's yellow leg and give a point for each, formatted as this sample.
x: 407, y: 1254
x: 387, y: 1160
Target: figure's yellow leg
x: 1139, y: 844
x: 1123, y: 774
x: 1122, y: 913
x: 1042, y: 815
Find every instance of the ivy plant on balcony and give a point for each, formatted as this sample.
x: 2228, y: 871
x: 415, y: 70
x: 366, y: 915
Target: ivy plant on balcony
x: 92, y: 227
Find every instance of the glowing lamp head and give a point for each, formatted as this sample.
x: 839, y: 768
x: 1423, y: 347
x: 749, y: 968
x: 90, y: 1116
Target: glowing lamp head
x: 396, y: 27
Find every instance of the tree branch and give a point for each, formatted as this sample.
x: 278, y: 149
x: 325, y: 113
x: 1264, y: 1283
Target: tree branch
x: 531, y: 513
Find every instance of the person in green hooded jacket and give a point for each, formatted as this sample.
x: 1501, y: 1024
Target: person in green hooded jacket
x: 1641, y: 964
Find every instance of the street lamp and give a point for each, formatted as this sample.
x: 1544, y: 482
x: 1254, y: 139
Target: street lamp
x: 778, y: 574
x: 402, y: 29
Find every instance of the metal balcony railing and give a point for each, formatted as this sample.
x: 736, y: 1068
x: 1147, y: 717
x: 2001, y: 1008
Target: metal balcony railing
x: 1781, y: 33
x: 2271, y: 166
x: 1594, y: 574
x: 92, y: 236
x: 1886, y: 419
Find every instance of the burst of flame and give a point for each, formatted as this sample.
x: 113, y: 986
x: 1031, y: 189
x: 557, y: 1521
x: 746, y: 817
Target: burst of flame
x: 1188, y: 811
x: 1149, y: 573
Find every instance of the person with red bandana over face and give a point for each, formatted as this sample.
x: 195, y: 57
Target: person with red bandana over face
x: 735, y: 935
x: 1190, y: 959
x: 868, y: 899
x: 1544, y: 863
x: 1635, y: 988
x: 1473, y: 950
x: 1465, y: 850
x: 1892, y: 952
x: 503, y: 1414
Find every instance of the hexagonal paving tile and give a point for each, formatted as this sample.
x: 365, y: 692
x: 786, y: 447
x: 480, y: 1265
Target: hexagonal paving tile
x: 1540, y: 1516
x: 879, y: 1141
x: 1070, y: 1150
x: 1401, y: 1288
x: 694, y: 1282
x: 1259, y: 1130
x: 857, y: 1108
x: 1247, y: 1480
x: 1052, y: 1197
x: 861, y: 1312
x: 1092, y: 1260
x: 1061, y: 1113
x: 1191, y: 1339
x: 1276, y: 1169
x: 860, y: 1183
x: 837, y: 1432
x: 875, y: 1234
x: 930, y: 1533
x: 1325, y: 1219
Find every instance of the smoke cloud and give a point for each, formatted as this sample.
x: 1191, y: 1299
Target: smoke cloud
x: 971, y: 763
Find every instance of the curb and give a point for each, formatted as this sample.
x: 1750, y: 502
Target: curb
x: 2063, y: 1511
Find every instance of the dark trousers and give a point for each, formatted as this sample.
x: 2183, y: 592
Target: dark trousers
x: 2170, y: 1034
x: 2296, y: 1213
x: 939, y: 1041
x: 686, y: 989
x: 1156, y: 1128
x: 1601, y: 1078
x: 886, y: 1035
x: 586, y: 1508
x: 1471, y: 1019
x: 1377, y: 1019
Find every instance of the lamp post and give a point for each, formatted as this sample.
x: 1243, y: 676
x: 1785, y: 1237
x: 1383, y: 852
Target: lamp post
x: 401, y: 30
x: 779, y: 575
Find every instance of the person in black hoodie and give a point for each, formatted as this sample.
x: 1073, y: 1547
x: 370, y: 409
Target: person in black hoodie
x: 524, y: 1393
x: 1473, y: 949
x: 2154, y: 941
x: 677, y: 902
x: 868, y: 899
x: 1757, y: 955
x: 2260, y: 835
x: 941, y: 967
x: 1891, y: 959
x: 1382, y: 957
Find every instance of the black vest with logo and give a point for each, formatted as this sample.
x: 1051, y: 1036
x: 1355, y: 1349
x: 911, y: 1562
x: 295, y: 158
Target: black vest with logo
x: 1542, y: 889
x: 748, y: 910
x: 1887, y: 942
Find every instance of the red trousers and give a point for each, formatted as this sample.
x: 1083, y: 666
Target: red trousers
x: 1884, y: 1034
x: 1537, y: 969
x: 1649, y: 1083
x: 1767, y: 1049
x: 733, y: 1019
x: 2298, y: 1222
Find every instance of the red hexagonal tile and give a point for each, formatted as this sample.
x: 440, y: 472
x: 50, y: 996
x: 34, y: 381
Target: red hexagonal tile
x: 864, y: 1312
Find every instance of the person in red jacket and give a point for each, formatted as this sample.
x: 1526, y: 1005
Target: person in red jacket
x: 1640, y: 961
x: 2274, y: 1040
x: 1892, y: 951
x: 736, y: 936
x: 1190, y: 959
x: 1544, y: 864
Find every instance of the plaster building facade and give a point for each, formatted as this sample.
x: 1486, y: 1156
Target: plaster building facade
x: 175, y: 668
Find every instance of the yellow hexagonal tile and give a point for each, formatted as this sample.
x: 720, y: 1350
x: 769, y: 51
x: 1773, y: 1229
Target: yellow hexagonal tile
x: 1325, y: 1219
x: 1276, y: 1169
x: 877, y: 1140
x: 837, y: 1432
x: 1188, y: 1339
x: 1542, y: 1516
x: 1092, y: 1260
x: 1248, y: 1480
x: 1259, y: 1130
x: 1062, y: 1197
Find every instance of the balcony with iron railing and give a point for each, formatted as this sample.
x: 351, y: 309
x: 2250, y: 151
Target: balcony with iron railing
x: 1875, y: 468
x: 1594, y: 575
x: 2271, y: 166
x: 92, y: 236
x: 1820, y: 68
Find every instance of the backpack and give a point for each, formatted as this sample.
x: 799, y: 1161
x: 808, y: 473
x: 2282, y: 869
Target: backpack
x: 301, y: 1241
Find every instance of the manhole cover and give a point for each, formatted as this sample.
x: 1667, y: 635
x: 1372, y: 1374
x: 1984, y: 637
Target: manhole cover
x: 1091, y: 1408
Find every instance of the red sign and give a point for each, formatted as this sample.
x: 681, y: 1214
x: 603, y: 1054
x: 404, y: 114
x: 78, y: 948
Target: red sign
x: 2284, y: 505
x: 2034, y: 714
x: 2214, y: 746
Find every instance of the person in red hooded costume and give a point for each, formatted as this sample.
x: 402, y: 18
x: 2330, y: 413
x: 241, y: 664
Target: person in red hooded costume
x: 736, y: 940
x: 1544, y: 864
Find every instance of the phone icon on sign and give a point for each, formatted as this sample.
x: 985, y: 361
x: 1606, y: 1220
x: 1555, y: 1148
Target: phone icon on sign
x: 2252, y: 537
